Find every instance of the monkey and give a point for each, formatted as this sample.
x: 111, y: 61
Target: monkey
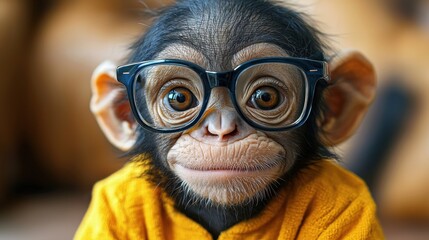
x: 228, y: 110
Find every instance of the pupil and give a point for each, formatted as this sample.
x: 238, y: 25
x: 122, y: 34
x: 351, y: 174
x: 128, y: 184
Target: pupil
x: 266, y: 97
x: 180, y: 97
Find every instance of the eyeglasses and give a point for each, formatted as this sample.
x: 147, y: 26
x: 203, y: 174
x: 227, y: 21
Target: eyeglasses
x: 270, y: 94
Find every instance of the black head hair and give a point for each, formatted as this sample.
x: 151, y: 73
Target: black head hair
x: 220, y: 28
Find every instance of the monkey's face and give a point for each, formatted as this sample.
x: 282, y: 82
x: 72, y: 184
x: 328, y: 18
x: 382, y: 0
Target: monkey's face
x: 221, y: 158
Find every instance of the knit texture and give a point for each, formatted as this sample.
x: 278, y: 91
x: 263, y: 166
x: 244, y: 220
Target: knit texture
x: 324, y: 201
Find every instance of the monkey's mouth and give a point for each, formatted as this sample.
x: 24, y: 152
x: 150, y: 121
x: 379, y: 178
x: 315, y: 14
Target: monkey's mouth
x: 228, y: 168
x: 251, y: 160
x: 209, y: 175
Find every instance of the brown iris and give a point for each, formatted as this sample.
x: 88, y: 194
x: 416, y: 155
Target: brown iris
x: 181, y: 99
x: 265, y: 98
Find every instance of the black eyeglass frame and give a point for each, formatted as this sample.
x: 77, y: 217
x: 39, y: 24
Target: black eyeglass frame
x: 314, y: 71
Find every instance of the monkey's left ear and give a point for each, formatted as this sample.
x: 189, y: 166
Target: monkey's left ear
x: 110, y: 108
x: 352, y: 90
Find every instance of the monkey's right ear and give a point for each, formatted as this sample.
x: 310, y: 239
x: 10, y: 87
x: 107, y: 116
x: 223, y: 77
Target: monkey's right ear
x: 110, y: 107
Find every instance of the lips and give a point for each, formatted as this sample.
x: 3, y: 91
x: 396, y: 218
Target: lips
x: 221, y: 175
x: 226, y: 168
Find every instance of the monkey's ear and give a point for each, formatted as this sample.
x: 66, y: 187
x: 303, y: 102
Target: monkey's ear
x: 352, y: 90
x: 110, y: 108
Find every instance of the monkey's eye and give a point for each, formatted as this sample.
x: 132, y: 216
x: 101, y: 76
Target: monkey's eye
x: 180, y: 99
x: 265, y: 98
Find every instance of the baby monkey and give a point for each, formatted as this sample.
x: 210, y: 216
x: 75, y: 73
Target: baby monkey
x: 228, y: 110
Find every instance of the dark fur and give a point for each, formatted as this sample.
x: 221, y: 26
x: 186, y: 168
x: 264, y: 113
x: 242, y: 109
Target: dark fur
x: 220, y: 28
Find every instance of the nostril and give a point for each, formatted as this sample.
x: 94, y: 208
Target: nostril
x: 228, y: 134
x: 233, y: 133
x: 209, y: 133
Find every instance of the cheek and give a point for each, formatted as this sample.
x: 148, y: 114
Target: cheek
x: 164, y: 143
x: 290, y: 140
x: 230, y: 173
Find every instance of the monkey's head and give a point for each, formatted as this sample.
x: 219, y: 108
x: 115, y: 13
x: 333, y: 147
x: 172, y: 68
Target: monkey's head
x: 229, y: 98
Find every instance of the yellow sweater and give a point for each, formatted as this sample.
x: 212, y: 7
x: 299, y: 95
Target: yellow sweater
x: 324, y: 202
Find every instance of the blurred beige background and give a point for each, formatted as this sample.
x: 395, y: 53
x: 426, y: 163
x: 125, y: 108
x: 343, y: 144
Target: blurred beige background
x: 52, y: 152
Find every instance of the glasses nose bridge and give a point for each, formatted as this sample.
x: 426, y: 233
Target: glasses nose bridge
x: 220, y: 79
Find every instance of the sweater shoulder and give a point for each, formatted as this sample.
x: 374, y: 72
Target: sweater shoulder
x: 125, y: 185
x: 329, y: 177
x: 336, y: 198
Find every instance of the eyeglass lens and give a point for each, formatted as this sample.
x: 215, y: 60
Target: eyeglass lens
x: 271, y: 94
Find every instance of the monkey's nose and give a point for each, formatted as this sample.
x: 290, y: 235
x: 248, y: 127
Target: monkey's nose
x: 222, y: 124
